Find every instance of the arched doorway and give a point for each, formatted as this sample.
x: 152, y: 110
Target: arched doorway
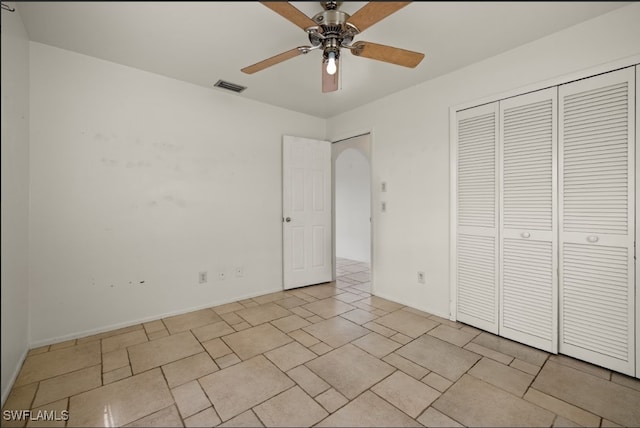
x: 352, y: 205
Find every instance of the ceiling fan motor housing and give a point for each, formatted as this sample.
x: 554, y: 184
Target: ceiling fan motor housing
x: 335, y: 31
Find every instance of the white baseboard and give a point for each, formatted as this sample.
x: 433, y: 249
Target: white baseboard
x: 14, y: 376
x: 104, y: 329
x: 412, y: 305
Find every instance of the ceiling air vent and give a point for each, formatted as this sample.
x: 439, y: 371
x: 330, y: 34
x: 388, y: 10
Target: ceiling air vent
x: 229, y: 86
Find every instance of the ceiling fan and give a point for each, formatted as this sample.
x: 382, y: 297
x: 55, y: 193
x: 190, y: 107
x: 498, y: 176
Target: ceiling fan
x: 331, y: 30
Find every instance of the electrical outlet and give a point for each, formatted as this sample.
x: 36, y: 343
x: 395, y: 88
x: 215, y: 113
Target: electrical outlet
x: 239, y: 272
x: 383, y: 186
x: 202, y: 277
x: 421, y: 279
x: 221, y: 276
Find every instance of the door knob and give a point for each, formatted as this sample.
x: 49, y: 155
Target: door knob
x: 288, y: 219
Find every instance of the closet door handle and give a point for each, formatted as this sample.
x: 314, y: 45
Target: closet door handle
x: 525, y: 234
x: 592, y: 238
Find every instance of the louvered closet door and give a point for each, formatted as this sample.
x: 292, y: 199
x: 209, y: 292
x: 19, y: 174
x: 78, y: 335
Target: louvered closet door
x: 596, y: 171
x: 528, y: 238
x: 476, y: 217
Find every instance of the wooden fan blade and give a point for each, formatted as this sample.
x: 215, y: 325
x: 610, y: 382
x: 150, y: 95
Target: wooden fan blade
x: 330, y: 81
x: 387, y: 54
x: 373, y: 12
x: 272, y: 61
x: 288, y: 11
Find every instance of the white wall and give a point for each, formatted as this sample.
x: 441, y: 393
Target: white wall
x: 15, y: 196
x: 410, y: 147
x: 353, y: 199
x: 138, y: 177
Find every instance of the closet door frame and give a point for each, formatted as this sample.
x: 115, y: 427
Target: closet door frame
x: 630, y: 61
x: 562, y: 78
x: 637, y: 220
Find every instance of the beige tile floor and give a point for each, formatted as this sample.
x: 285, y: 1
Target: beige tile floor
x: 326, y: 355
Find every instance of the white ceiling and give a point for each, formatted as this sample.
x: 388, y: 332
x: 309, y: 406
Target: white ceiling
x: 201, y: 42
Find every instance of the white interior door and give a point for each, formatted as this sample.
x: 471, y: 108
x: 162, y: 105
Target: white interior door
x: 528, y: 220
x: 596, y: 169
x: 306, y: 210
x: 477, y: 217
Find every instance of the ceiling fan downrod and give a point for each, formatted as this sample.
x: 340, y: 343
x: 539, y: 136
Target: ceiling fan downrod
x: 330, y: 5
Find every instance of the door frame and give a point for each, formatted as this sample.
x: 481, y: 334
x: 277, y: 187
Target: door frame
x: 371, y: 200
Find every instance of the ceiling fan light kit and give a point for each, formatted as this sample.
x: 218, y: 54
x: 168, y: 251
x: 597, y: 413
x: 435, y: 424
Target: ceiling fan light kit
x: 332, y: 30
x: 331, y: 63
